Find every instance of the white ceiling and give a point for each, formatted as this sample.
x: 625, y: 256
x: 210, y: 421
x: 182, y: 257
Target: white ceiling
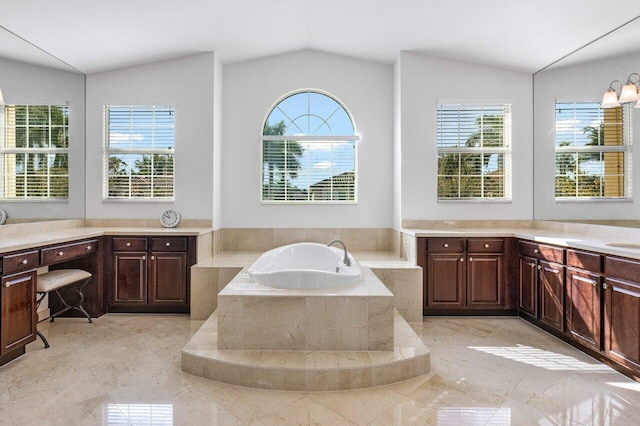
x: 526, y: 35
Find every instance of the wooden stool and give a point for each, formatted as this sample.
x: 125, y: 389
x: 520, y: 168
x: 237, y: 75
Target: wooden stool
x: 61, y: 281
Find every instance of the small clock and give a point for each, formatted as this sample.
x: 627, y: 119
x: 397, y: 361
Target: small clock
x: 3, y: 217
x: 170, y: 218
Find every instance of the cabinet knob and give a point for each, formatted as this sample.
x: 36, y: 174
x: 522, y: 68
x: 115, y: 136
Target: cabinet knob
x: 128, y: 244
x: 144, y: 257
x: 445, y: 245
x: 539, y: 267
x: 605, y: 286
x: 24, y: 261
x: 462, y: 259
x: 167, y: 244
x: 153, y: 258
x: 471, y: 259
x: 88, y: 247
x: 536, y: 251
x: 7, y: 285
x: 60, y: 253
x: 486, y: 246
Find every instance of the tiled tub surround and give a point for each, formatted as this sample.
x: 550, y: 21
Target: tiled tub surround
x: 403, y: 279
x: 306, y: 340
x: 357, y: 317
x: 308, y: 370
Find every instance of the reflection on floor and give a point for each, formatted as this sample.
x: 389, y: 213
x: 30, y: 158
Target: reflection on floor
x: 125, y: 369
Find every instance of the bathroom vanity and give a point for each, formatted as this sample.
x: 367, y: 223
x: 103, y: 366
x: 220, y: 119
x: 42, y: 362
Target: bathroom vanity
x: 19, y: 274
x: 149, y: 274
x: 579, y: 289
x: 134, y: 270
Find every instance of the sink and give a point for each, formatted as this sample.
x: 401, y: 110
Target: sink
x: 625, y: 245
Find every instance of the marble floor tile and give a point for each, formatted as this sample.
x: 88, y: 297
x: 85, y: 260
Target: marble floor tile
x: 125, y: 370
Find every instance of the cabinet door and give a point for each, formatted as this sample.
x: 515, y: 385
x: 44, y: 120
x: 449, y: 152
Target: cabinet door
x: 18, y: 311
x: 445, y: 280
x: 622, y: 317
x: 484, y: 280
x: 130, y: 278
x: 168, y: 283
x: 583, y: 307
x: 551, y: 279
x: 528, y: 285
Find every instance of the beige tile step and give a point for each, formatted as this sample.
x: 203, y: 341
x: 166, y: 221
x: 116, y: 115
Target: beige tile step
x: 306, y: 370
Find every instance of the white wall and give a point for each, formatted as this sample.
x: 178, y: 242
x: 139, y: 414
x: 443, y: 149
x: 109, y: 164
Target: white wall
x: 579, y: 83
x: 189, y: 84
x: 217, y: 143
x: 397, y: 145
x: 23, y: 83
x: 250, y: 90
x: 425, y: 81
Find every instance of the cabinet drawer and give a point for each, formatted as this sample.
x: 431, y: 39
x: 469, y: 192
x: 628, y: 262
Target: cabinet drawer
x: 584, y: 260
x: 168, y: 244
x: 66, y: 252
x: 626, y: 269
x: 19, y: 262
x: 541, y: 251
x: 485, y: 245
x: 129, y: 244
x: 445, y: 245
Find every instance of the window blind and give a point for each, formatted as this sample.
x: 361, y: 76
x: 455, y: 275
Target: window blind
x: 34, y: 151
x: 474, y: 151
x: 139, y: 151
x: 592, y: 158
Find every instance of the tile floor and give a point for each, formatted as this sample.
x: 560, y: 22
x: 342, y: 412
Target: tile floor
x: 125, y: 369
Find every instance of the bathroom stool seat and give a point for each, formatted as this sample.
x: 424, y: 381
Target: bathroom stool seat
x: 60, y: 281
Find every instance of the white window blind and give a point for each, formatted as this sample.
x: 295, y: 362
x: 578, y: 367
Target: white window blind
x: 308, y: 150
x: 474, y: 151
x: 592, y: 157
x: 139, y: 152
x: 34, y: 152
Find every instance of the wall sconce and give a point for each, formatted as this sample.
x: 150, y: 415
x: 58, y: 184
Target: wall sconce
x: 628, y: 93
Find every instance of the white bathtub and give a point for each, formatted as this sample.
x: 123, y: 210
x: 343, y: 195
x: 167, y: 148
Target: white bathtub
x: 304, y: 266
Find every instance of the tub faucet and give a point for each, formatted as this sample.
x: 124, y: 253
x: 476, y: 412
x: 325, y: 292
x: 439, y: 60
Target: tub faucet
x: 346, y: 259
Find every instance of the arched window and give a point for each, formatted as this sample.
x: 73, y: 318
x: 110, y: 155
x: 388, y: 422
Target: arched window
x: 309, y: 151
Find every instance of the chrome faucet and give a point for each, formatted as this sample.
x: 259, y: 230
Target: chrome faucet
x: 346, y: 259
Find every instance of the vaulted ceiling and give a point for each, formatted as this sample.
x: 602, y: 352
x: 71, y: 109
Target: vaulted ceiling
x: 98, y: 35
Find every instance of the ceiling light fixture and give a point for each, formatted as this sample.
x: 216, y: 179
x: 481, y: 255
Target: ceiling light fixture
x: 629, y: 92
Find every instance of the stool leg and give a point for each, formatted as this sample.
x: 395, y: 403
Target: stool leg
x: 44, y: 339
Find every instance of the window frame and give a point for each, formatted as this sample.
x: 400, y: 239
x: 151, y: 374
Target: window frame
x: 625, y: 149
x: 506, y: 150
x: 48, y: 151
x: 107, y: 151
x: 306, y: 139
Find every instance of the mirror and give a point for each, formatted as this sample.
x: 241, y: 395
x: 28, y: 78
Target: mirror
x: 29, y: 75
x: 584, y: 76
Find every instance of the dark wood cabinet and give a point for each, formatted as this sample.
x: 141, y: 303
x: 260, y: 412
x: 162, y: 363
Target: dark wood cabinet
x: 168, y: 279
x: 150, y: 274
x: 463, y: 276
x: 551, y: 281
x: 130, y: 278
x: 621, y: 292
x: 583, y: 312
x: 583, y: 309
x: 445, y: 282
x: 18, y: 311
x: 484, y: 280
x: 541, y: 283
x: 528, y: 285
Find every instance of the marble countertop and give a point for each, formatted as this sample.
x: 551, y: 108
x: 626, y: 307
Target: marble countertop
x: 590, y: 237
x: 27, y: 240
